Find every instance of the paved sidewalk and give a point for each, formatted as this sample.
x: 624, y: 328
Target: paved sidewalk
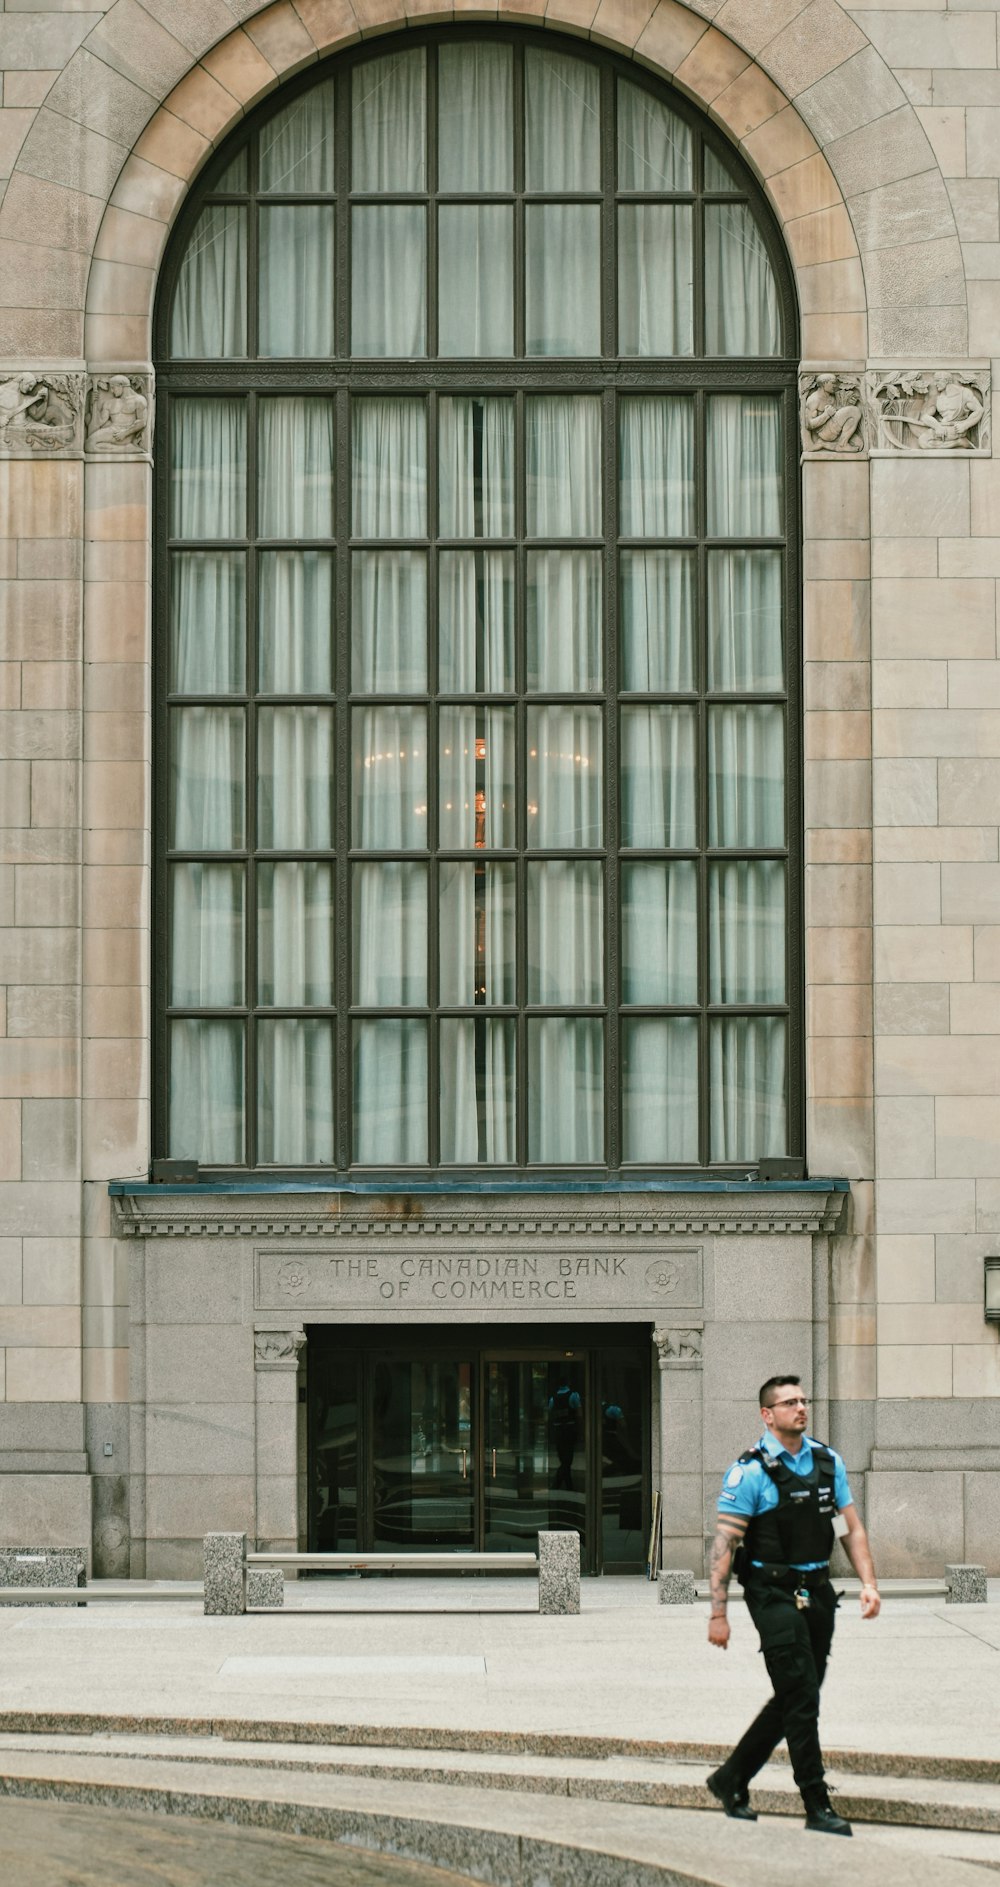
x: 920, y: 1680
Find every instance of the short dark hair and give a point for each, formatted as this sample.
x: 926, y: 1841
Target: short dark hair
x: 775, y: 1382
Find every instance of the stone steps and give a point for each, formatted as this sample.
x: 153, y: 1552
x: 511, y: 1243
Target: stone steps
x: 502, y: 1833
x: 670, y: 1779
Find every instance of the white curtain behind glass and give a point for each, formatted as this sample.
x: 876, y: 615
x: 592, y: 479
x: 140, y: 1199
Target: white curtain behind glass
x: 388, y: 621
x: 206, y: 779
x: 564, y: 621
x: 562, y: 271
x: 741, y: 298
x: 294, y: 778
x: 476, y: 778
x: 476, y: 467
x: 296, y: 280
x: 390, y: 1092
x: 295, y: 933
x: 294, y: 1092
x: 656, y: 621
x: 564, y: 466
x: 660, y: 932
x: 562, y: 104
x: 206, y: 935
x: 476, y: 621
x: 744, y: 620
x: 565, y: 925
x: 747, y: 1076
x: 209, y: 315
x: 388, y: 280
x: 746, y: 930
x: 658, y: 801
x: 477, y: 944
x: 565, y: 1090
x: 296, y: 468
x: 744, y: 465
x: 660, y: 1090
x: 207, y: 622
x: 655, y: 279
x: 389, y: 904
x: 475, y: 117
x: 746, y: 776
x: 388, y: 123
x: 389, y: 468
x: 654, y: 145
x: 296, y: 145
x: 478, y: 1070
x: 208, y: 451
x: 476, y: 280
x: 206, y: 1091
x: 295, y: 651
x: 564, y: 777
x: 656, y: 466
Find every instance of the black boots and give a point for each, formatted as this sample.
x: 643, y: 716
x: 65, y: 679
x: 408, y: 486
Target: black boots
x: 734, y: 1796
x: 821, y: 1817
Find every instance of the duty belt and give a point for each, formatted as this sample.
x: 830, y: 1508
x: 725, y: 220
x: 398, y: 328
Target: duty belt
x: 789, y: 1578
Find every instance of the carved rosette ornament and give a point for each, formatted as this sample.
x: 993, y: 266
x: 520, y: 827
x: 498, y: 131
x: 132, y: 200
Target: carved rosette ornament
x: 832, y: 419
x: 278, y: 1349
x: 119, y: 415
x: 41, y: 414
x: 680, y: 1348
x: 930, y: 412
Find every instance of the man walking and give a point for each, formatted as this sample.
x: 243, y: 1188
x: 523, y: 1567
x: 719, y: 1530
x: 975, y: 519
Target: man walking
x: 782, y: 1506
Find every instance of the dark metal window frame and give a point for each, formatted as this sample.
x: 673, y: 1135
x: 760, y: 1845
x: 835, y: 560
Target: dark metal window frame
x: 342, y: 378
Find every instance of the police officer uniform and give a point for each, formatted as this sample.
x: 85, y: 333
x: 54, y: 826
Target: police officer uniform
x: 791, y: 1502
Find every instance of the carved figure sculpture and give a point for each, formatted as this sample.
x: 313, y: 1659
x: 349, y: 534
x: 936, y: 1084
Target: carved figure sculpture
x: 832, y: 416
x: 944, y: 411
x: 37, y: 413
x: 118, y: 415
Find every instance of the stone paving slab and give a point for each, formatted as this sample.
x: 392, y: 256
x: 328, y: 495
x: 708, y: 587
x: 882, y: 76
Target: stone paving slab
x: 920, y: 1681
x: 507, y: 1840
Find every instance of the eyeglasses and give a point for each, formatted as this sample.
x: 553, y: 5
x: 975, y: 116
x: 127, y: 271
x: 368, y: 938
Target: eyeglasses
x: 792, y: 1402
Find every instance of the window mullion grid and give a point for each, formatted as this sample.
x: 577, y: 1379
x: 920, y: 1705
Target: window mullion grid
x: 701, y: 774
x: 433, y: 794
x: 250, y: 817
x: 342, y: 213
x: 163, y: 942
x: 794, y: 776
x: 431, y: 234
x: 520, y: 775
x: 253, y: 252
x: 519, y: 159
x: 613, y: 1111
x: 609, y: 231
x: 342, y: 888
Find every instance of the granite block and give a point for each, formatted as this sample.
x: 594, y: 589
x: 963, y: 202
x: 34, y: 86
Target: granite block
x: 42, y: 1566
x: 265, y: 1586
x: 676, y: 1587
x: 966, y: 1585
x: 558, y: 1573
x: 225, y: 1575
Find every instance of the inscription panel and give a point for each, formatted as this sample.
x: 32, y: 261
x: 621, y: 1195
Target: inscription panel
x: 478, y: 1282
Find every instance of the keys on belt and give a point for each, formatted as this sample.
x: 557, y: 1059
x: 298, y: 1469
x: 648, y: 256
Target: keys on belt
x: 803, y: 1599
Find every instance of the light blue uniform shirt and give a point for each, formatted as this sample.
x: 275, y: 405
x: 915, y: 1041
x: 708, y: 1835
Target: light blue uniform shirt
x: 747, y: 1490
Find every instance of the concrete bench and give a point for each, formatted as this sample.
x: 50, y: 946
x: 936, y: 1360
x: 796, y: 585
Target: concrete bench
x: 234, y: 1576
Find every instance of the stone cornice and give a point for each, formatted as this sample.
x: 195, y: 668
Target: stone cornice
x: 157, y: 1214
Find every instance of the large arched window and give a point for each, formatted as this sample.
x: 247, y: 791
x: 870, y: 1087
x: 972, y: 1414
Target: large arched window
x: 478, y: 732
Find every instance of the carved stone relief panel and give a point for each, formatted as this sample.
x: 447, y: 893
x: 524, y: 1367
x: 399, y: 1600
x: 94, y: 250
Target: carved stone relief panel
x: 278, y: 1349
x: 41, y: 414
x: 119, y: 415
x: 680, y: 1347
x: 832, y: 418
x: 930, y: 412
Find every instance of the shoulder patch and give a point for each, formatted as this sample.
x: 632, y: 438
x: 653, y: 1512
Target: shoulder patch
x: 734, y: 1477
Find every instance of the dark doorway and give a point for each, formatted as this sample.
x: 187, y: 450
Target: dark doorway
x: 432, y: 1438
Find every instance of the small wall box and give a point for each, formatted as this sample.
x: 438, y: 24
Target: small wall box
x: 175, y: 1173
x: 991, y: 1304
x: 779, y: 1169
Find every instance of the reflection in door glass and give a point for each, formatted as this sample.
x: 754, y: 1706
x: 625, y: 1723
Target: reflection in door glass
x: 333, y: 1457
x: 535, y: 1450
x: 423, y: 1481
x: 621, y: 1460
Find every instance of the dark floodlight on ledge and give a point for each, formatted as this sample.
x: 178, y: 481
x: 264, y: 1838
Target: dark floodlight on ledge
x: 778, y: 1169
x: 991, y: 1296
x: 174, y: 1173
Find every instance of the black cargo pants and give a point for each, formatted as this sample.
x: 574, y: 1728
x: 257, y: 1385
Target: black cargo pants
x: 796, y: 1646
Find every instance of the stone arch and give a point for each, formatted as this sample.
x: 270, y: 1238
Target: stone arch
x: 672, y: 40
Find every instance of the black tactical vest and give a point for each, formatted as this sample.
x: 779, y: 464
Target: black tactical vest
x: 800, y: 1528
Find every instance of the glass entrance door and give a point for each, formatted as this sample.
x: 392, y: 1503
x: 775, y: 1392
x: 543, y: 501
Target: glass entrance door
x: 423, y: 1453
x: 535, y: 1458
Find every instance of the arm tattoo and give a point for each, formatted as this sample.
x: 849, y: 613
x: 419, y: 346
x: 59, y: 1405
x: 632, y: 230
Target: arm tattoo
x: 728, y: 1535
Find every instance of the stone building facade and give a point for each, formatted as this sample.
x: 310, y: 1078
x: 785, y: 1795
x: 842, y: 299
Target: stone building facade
x: 154, y: 1339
